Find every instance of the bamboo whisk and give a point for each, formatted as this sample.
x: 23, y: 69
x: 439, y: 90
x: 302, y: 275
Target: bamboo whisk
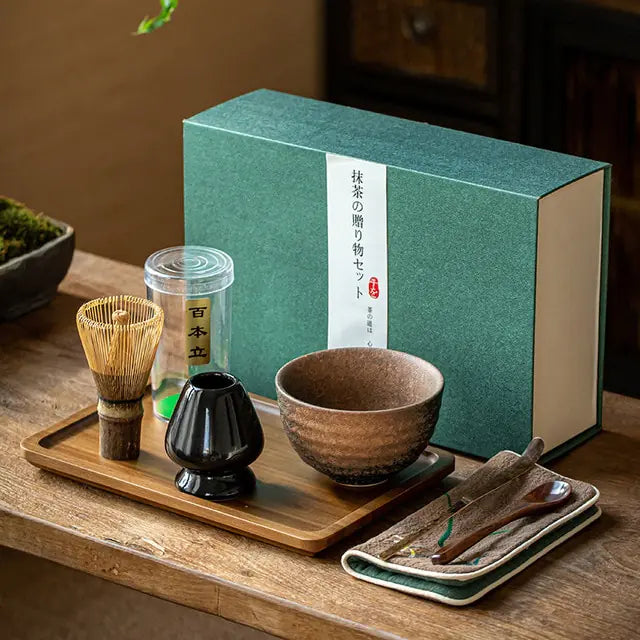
x: 120, y: 335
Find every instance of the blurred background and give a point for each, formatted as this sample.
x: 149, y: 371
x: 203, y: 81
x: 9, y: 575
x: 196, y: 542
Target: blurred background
x: 91, y: 116
x: 91, y: 133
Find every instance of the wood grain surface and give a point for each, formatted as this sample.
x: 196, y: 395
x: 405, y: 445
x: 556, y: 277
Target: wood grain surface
x: 293, y: 505
x: 587, y: 588
x: 39, y: 601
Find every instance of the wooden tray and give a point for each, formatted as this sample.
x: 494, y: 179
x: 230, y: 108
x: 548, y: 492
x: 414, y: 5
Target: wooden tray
x: 293, y: 505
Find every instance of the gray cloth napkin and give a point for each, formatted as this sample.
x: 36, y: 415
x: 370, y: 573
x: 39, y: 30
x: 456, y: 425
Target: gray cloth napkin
x: 440, y: 526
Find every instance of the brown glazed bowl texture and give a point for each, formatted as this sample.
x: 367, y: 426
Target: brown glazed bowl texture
x: 359, y: 414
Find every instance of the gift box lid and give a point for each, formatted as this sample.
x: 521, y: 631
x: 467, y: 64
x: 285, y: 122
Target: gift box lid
x: 416, y: 146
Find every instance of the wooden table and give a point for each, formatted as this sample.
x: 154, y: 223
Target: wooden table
x: 588, y: 588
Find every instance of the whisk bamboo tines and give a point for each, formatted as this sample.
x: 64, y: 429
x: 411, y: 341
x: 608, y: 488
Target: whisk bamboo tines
x: 120, y: 336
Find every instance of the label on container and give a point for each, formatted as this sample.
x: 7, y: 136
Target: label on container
x: 198, y: 327
x: 357, y: 231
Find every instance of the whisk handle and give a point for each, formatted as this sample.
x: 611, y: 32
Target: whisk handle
x: 120, y: 423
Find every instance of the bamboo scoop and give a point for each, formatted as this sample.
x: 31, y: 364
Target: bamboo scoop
x: 519, y: 467
x: 544, y: 497
x: 120, y: 336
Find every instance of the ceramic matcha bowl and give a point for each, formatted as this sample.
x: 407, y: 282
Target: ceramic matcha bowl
x: 359, y: 414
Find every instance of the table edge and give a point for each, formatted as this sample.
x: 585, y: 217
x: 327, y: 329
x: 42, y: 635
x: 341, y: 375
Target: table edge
x: 12, y: 536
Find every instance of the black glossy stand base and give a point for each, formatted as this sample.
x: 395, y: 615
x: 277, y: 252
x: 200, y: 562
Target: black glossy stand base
x: 216, y: 487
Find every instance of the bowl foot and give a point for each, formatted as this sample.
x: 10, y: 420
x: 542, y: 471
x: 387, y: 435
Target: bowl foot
x: 351, y: 485
x: 217, y: 487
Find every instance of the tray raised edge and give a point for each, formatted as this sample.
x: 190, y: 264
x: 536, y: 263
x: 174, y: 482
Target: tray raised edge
x: 308, y: 543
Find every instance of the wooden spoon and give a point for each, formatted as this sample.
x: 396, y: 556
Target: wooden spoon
x: 544, y: 497
x: 519, y: 467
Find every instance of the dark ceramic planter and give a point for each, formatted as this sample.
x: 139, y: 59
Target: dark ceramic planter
x: 30, y: 281
x: 214, y: 434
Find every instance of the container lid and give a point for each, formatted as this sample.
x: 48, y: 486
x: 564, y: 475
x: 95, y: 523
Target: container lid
x: 189, y: 270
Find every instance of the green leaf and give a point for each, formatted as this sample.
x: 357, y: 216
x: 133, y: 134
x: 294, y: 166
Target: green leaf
x: 167, y: 7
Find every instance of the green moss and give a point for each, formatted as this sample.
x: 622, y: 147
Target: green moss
x: 22, y: 230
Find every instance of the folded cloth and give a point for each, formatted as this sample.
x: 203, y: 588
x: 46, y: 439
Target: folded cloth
x: 491, y: 561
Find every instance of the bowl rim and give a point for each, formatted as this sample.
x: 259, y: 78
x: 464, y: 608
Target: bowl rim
x: 438, y: 375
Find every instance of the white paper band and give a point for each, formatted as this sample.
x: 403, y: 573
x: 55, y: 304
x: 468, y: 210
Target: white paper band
x: 357, y: 226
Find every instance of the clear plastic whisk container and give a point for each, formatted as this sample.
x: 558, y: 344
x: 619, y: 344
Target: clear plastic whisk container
x: 192, y: 284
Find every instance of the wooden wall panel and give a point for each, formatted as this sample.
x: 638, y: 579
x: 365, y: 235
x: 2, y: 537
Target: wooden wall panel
x: 90, y: 116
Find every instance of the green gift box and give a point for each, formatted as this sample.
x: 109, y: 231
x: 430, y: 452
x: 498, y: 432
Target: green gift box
x: 349, y: 228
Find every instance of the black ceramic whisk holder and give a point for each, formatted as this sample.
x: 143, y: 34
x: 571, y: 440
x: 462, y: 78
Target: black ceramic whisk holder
x: 214, y: 434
